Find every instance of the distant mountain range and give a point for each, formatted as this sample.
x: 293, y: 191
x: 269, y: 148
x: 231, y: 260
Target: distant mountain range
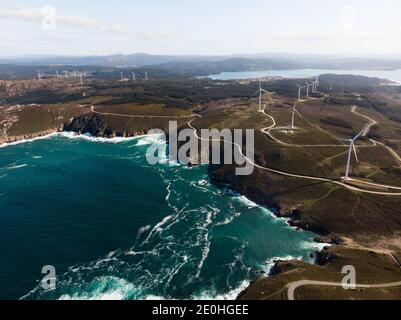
x: 238, y: 62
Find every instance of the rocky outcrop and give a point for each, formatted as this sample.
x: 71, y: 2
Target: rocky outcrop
x: 324, y: 257
x: 95, y: 125
x: 88, y: 123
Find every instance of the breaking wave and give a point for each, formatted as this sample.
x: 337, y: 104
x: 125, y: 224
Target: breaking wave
x: 208, y: 244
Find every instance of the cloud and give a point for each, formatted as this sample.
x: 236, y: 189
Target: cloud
x: 48, y: 18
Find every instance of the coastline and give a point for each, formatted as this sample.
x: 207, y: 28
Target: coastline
x: 15, y: 140
x: 271, y: 267
x: 323, y: 238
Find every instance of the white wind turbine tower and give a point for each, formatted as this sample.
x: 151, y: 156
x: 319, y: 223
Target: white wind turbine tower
x: 316, y: 85
x: 133, y: 76
x: 351, y: 148
x: 300, y: 91
x: 81, y: 76
x: 146, y: 75
x: 39, y: 75
x: 122, y: 76
x: 260, y: 92
x: 307, y: 88
x: 57, y: 76
x: 293, y: 117
x: 66, y: 74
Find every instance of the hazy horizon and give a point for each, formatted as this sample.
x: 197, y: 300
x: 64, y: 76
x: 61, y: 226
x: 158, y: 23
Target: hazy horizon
x: 228, y: 55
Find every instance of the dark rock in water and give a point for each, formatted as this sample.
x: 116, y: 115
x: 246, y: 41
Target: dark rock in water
x: 88, y: 123
x: 324, y: 257
x: 280, y: 266
x: 336, y: 240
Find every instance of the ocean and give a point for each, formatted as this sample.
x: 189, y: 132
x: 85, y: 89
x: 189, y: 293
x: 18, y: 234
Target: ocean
x: 115, y: 227
x: 393, y: 75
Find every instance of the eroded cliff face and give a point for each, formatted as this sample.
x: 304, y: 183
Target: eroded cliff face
x: 88, y: 123
x: 97, y: 126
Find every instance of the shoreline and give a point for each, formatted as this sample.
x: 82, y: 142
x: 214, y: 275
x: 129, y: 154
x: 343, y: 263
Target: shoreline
x: 16, y: 140
x: 324, y: 240
x: 280, y: 74
x: 68, y: 134
x: 290, y: 220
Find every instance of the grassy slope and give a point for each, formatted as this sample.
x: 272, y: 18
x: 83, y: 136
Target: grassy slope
x: 371, y: 268
x: 374, y: 221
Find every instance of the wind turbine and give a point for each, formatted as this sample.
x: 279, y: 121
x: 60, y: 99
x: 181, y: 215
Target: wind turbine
x: 133, y: 76
x: 146, y: 75
x: 351, y: 148
x: 81, y: 76
x: 57, y: 76
x: 293, y: 118
x: 299, y: 91
x: 315, y: 85
x: 260, y: 92
x: 122, y: 76
x: 66, y: 74
x: 39, y: 75
x: 307, y: 88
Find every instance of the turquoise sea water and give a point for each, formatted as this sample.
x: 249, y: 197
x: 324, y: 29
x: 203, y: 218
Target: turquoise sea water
x: 394, y: 75
x: 116, y: 228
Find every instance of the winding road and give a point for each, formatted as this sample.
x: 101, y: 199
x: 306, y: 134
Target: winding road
x: 293, y: 286
x: 140, y: 116
x: 365, y: 130
x: 267, y: 130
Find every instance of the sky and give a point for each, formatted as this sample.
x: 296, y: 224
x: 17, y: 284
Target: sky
x: 203, y: 27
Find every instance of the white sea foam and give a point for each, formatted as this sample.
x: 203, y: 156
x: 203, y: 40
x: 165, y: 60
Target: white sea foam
x: 206, y: 248
x: 73, y: 135
x: 141, y: 232
x: 250, y: 204
x: 154, y: 298
x: 4, y: 145
x: 314, y: 245
x: 17, y: 167
x: 231, y: 295
x: 144, y: 139
x: 229, y: 220
x: 158, y: 228
x: 120, y: 289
